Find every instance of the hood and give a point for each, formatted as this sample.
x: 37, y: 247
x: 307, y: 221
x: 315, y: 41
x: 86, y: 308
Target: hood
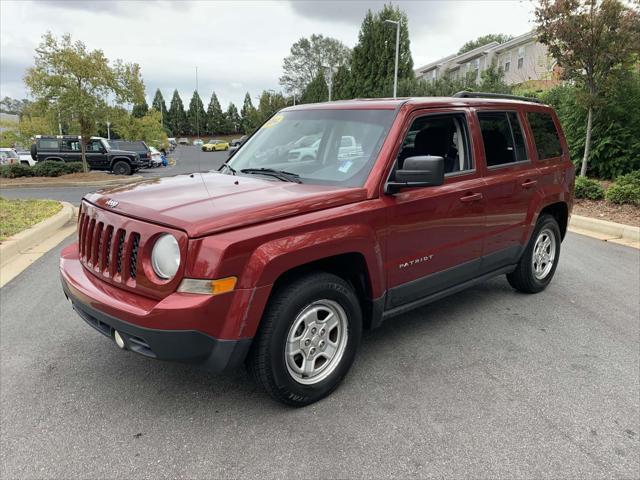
x: 204, y: 203
x: 122, y: 152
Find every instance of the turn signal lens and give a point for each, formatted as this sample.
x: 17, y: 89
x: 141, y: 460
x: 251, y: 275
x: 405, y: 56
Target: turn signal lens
x: 208, y: 287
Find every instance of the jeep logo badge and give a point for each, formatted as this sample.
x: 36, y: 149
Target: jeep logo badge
x: 112, y: 203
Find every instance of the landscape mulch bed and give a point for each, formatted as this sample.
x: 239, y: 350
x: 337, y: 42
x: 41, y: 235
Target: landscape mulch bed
x: 602, y: 210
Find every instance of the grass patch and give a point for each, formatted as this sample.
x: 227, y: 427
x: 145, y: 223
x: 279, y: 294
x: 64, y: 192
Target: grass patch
x: 18, y: 215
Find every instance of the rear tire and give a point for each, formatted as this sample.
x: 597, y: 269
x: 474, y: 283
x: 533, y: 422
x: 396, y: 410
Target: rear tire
x: 540, y: 259
x: 121, y: 168
x: 308, y: 338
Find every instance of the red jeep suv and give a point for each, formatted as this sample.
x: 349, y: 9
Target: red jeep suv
x: 329, y: 219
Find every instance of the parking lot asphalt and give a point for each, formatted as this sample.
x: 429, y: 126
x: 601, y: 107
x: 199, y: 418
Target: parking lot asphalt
x: 188, y: 159
x: 489, y: 383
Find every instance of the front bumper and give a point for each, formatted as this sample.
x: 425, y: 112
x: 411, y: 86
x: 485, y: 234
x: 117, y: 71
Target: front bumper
x: 171, y: 329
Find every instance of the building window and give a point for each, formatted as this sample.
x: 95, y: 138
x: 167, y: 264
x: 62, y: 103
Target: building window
x: 434, y: 75
x: 520, y: 57
x: 507, y: 63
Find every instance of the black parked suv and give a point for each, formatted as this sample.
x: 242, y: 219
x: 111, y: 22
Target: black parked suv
x: 100, y: 154
x: 137, y: 146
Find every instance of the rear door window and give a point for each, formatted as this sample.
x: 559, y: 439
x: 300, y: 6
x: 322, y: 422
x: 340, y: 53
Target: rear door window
x: 502, y: 137
x: 545, y: 135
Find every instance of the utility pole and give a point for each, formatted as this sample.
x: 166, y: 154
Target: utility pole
x: 108, y: 130
x: 198, y: 98
x: 395, y: 74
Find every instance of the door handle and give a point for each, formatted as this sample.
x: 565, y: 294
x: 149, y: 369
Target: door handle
x: 529, y: 183
x: 471, y: 197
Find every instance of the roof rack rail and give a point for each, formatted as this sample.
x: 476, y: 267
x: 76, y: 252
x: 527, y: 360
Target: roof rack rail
x: 465, y: 94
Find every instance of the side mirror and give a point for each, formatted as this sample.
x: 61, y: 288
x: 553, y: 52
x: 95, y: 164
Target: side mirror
x: 423, y: 171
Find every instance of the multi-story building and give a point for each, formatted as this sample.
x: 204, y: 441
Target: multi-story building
x: 523, y: 60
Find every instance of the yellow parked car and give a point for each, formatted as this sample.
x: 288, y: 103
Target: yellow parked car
x: 215, y: 146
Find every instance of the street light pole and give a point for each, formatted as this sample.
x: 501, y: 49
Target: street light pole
x: 330, y: 85
x: 395, y: 73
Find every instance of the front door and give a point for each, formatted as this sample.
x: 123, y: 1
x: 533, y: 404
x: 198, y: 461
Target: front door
x: 96, y: 155
x: 436, y: 233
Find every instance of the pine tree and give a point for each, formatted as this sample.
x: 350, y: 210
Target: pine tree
x: 140, y: 109
x: 317, y: 91
x: 341, y: 89
x: 248, y: 115
x: 270, y: 102
x: 160, y: 105
x: 196, y: 115
x: 215, y: 116
x: 232, y: 119
x: 373, y: 59
x: 177, y: 118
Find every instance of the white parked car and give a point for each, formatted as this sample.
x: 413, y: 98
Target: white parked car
x: 198, y: 142
x: 156, y: 157
x: 8, y: 156
x: 26, y: 158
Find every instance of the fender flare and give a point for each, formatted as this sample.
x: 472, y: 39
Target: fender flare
x: 276, y: 257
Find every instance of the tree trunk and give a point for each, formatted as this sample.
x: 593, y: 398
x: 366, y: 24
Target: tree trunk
x: 84, y: 138
x: 587, y: 144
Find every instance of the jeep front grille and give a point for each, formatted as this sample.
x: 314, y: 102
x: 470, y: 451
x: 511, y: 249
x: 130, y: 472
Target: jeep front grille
x: 100, y: 252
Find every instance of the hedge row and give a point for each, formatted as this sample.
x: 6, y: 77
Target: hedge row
x: 41, y: 169
x: 625, y: 190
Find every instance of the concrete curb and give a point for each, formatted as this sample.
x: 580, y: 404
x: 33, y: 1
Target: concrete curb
x: 605, y: 228
x: 11, y: 248
x: 103, y: 183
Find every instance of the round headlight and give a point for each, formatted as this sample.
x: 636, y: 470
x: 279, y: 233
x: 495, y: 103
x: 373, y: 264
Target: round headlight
x: 165, y: 257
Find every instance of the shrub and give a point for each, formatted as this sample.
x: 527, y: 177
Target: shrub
x: 16, y: 170
x: 588, y: 188
x: 615, y: 147
x: 56, y: 168
x: 41, y: 169
x: 626, y: 189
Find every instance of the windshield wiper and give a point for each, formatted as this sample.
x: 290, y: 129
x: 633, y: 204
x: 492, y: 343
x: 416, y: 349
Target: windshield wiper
x: 229, y: 167
x: 279, y: 174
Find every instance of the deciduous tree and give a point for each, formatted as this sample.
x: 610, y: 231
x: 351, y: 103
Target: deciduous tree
x: 483, y: 40
x: 590, y: 39
x: 81, y: 81
x: 308, y: 57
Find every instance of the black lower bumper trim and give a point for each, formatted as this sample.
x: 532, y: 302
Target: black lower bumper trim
x: 190, y: 346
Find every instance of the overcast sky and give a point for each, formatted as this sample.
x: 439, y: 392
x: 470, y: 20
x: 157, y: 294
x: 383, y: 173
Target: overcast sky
x: 238, y: 46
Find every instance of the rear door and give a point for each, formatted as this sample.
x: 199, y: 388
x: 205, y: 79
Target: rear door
x: 71, y: 149
x: 435, y: 233
x: 511, y: 182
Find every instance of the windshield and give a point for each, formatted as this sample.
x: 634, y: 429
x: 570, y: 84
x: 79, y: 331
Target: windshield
x: 328, y: 147
x: 106, y: 144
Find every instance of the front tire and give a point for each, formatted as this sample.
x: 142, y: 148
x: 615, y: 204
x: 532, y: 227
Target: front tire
x: 540, y: 259
x: 308, y: 339
x: 121, y: 168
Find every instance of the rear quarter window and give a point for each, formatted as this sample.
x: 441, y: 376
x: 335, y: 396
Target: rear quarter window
x: 48, y: 144
x: 545, y: 135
